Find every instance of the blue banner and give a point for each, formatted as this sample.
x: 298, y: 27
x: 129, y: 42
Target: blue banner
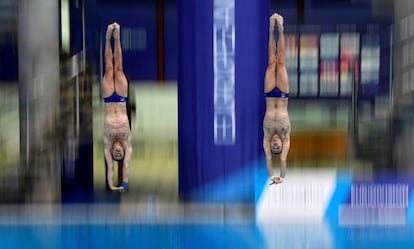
x: 222, y: 60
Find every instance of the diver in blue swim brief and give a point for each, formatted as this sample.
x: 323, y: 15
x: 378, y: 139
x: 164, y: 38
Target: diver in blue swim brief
x: 276, y: 93
x: 117, y: 132
x: 115, y: 97
x: 276, y: 123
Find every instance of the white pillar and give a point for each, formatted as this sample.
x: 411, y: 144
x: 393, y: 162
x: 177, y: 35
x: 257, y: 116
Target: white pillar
x: 38, y: 53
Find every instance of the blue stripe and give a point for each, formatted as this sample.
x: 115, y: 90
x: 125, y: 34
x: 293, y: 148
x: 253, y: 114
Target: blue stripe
x: 410, y: 210
x: 340, y: 194
x: 234, y: 186
x: 260, y: 179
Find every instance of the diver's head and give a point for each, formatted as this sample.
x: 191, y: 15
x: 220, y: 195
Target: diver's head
x: 276, y: 144
x: 117, y: 151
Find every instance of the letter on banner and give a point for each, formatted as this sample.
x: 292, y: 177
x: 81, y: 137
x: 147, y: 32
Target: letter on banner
x: 223, y: 59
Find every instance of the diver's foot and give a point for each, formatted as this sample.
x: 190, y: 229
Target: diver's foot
x: 272, y: 22
x: 109, y: 31
x: 117, y: 30
x: 279, y: 21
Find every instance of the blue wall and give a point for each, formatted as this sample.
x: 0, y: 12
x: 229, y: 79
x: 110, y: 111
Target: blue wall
x: 142, y: 63
x: 206, y: 166
x: 138, y: 64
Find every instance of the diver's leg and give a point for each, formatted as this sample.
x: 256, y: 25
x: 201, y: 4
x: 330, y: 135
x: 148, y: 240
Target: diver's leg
x: 108, y: 78
x: 282, y: 81
x: 121, y: 83
x: 280, y: 53
x: 270, y: 76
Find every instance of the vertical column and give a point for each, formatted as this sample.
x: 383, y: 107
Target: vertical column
x: 403, y: 77
x: 403, y: 88
x: 38, y: 53
x: 403, y: 57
